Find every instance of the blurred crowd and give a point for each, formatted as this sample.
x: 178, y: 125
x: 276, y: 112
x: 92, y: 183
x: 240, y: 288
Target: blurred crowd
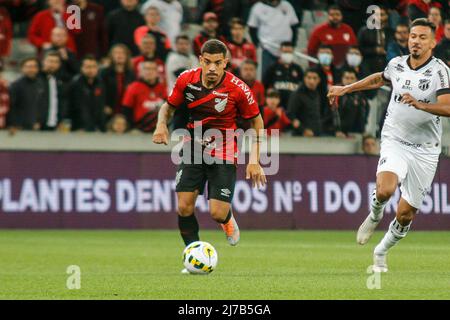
x: 113, y: 69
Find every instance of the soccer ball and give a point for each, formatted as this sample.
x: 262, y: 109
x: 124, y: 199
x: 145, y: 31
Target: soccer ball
x: 200, y: 258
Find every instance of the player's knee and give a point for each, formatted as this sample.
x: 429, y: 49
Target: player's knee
x: 218, y: 215
x: 384, y: 193
x: 404, y: 217
x: 185, y: 209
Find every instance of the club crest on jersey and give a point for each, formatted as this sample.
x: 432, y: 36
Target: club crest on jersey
x: 424, y: 84
x: 220, y: 104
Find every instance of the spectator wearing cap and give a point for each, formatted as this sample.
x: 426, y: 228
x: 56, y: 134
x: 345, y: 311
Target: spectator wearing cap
x: 69, y: 62
x: 87, y: 100
x: 442, y: 50
x: 147, y: 48
x: 247, y: 73
x: 304, y: 108
x: 4, y: 98
x: 6, y: 32
x: 116, y: 77
x: 93, y: 37
x: 144, y: 97
x: 152, y: 19
x: 121, y: 24
x: 23, y: 113
x: 239, y: 47
x: 171, y: 16
x: 42, y: 24
x: 271, y: 23
x: 284, y: 75
x: 399, y: 46
x: 210, y: 31
x: 333, y: 33
x: 179, y: 60
x: 275, y: 118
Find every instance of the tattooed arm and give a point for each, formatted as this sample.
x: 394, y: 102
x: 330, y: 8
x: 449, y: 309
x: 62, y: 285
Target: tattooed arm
x: 373, y: 81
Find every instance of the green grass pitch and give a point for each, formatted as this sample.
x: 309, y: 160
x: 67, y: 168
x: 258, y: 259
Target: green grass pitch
x: 265, y: 265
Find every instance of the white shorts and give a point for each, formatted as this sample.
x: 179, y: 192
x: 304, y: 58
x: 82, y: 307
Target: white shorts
x: 415, y: 170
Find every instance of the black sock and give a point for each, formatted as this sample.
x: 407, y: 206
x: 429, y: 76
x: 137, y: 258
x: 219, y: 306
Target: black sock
x: 188, y: 229
x: 227, y: 219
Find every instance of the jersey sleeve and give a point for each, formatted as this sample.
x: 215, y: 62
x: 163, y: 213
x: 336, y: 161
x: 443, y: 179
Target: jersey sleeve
x: 443, y: 80
x: 247, y: 105
x: 387, y: 73
x: 176, y: 97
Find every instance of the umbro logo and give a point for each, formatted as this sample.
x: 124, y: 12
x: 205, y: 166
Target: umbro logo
x: 383, y: 161
x: 190, y: 97
x: 428, y: 73
x: 191, y: 86
x: 399, y: 68
x: 225, y: 192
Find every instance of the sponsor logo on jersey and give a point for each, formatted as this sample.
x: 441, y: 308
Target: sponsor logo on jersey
x: 244, y: 88
x: 407, y: 85
x: 428, y: 73
x: 399, y: 67
x: 441, y: 78
x: 220, y: 104
x: 223, y: 95
x: 424, y: 84
x: 191, y: 86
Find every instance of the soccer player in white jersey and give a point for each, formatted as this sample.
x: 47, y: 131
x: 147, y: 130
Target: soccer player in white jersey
x: 411, y: 136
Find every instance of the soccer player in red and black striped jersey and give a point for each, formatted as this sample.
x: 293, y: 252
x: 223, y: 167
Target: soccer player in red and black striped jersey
x: 215, y: 98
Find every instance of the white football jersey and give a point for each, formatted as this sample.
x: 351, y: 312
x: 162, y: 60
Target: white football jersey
x: 405, y: 124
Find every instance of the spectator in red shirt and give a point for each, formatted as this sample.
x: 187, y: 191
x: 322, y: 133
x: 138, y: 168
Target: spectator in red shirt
x: 239, y: 47
x: 435, y: 16
x: 6, y: 32
x: 152, y: 19
x: 334, y: 33
x: 144, y: 97
x: 148, y: 52
x: 93, y: 38
x: 4, y: 98
x: 210, y: 27
x: 275, y: 118
x: 45, y: 21
x: 247, y: 73
x: 116, y: 77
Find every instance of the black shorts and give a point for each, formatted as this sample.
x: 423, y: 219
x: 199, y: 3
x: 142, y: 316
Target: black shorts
x: 221, y: 179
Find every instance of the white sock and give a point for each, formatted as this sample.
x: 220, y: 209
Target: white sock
x: 395, y: 233
x: 376, y: 207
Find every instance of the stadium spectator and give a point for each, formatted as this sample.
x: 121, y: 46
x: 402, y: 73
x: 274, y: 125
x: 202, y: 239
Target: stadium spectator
x: 239, y: 47
x: 333, y: 33
x: 152, y: 19
x: 148, y: 52
x: 373, y: 42
x: 122, y: 22
x: 23, y: 114
x: 272, y: 22
x: 144, y: 97
x: 69, y: 62
x: 370, y: 145
x: 354, y: 12
x: 118, y: 124
x: 108, y: 5
x: 179, y: 60
x: 4, y: 98
x: 247, y: 73
x: 87, y: 98
x: 171, y: 16
x: 52, y: 107
x: 6, y: 32
x: 435, y: 16
x: 442, y: 50
x: 93, y: 37
x: 352, y: 108
x: 399, y: 47
x: 419, y: 8
x: 275, y: 117
x: 116, y: 77
x: 210, y: 31
x: 304, y: 108
x: 284, y: 75
x: 42, y: 24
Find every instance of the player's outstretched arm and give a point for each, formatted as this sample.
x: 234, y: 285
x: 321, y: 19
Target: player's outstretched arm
x: 374, y: 81
x: 440, y: 108
x: 161, y: 134
x: 254, y: 170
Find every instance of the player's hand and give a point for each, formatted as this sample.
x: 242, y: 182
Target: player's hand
x: 161, y: 135
x: 256, y: 173
x: 336, y: 91
x: 409, y: 99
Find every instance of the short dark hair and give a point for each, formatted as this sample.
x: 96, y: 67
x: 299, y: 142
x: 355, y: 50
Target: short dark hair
x: 52, y: 53
x: 182, y: 37
x: 286, y: 44
x: 214, y: 46
x: 446, y: 21
x: 88, y: 57
x: 334, y: 7
x: 26, y: 60
x: 325, y: 46
x: 250, y: 61
x: 401, y: 24
x: 367, y: 137
x: 236, y: 20
x: 312, y: 70
x: 424, y: 23
x: 349, y: 70
x: 272, y: 93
